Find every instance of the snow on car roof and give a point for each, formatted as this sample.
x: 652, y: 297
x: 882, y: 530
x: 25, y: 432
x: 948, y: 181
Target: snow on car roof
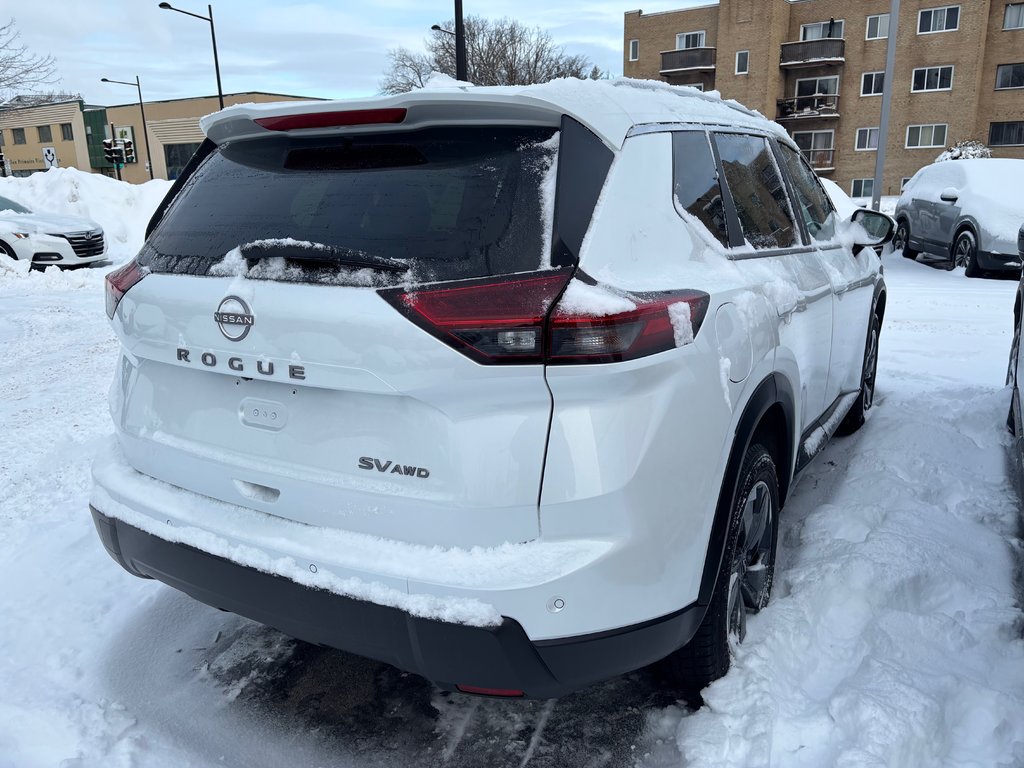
x: 610, y: 108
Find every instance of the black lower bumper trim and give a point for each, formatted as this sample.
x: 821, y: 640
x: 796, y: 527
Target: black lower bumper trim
x: 447, y: 654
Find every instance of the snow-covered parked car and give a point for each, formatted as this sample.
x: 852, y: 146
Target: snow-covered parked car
x: 503, y: 386
x: 966, y: 211
x: 45, y: 238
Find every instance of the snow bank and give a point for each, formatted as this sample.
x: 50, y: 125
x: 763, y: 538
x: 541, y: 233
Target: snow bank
x: 122, y: 209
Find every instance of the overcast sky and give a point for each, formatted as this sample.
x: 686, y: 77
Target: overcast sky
x: 330, y: 48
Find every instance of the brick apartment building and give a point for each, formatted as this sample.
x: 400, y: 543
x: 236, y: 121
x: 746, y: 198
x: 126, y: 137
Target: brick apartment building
x: 817, y: 67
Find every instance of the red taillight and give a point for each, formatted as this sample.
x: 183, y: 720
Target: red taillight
x: 508, y: 693
x: 511, y: 321
x: 492, y: 322
x: 119, y: 281
x: 660, y: 322
x: 331, y: 119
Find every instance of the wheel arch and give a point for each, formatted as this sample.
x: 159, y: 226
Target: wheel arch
x: 769, y: 415
x: 965, y: 225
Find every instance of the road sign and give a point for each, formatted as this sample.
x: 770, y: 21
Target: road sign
x: 50, y: 158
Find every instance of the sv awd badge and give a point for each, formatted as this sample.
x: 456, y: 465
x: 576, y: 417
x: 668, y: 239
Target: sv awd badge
x: 366, y: 462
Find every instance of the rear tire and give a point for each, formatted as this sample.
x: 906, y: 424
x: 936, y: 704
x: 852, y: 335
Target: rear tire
x: 745, y: 578
x: 855, y: 419
x: 901, y: 240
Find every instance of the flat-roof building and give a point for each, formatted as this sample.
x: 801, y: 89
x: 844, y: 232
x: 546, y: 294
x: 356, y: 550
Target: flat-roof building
x: 70, y: 133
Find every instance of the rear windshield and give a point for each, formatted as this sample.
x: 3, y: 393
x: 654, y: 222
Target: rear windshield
x: 437, y: 204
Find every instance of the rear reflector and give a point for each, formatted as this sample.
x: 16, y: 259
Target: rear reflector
x: 119, y: 281
x: 508, y: 693
x: 331, y: 119
x: 511, y: 321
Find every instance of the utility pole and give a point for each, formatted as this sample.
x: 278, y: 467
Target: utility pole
x: 883, y: 126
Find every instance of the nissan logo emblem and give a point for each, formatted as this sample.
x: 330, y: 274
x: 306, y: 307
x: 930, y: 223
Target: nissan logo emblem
x: 234, y: 318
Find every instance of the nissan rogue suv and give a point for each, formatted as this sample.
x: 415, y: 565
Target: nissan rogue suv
x: 503, y: 386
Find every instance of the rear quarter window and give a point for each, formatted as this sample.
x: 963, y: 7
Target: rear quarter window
x: 757, y: 190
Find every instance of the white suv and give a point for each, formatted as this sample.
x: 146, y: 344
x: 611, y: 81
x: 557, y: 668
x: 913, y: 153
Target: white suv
x: 503, y: 386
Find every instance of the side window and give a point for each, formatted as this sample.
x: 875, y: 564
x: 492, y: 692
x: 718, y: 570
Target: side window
x: 695, y: 182
x: 757, y: 191
x: 812, y: 204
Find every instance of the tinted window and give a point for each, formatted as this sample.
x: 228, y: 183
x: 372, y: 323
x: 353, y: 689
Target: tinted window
x: 760, y: 198
x: 812, y: 204
x: 436, y: 204
x: 697, y: 190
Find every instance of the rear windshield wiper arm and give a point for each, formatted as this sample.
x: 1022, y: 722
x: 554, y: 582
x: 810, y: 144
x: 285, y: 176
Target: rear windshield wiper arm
x: 298, y: 250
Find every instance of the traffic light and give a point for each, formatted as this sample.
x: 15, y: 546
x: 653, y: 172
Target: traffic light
x: 108, y: 150
x: 3, y: 164
x: 118, y: 156
x: 129, y: 151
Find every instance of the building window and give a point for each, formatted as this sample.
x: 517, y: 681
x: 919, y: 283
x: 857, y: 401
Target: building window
x: 698, y: 86
x: 1009, y: 76
x: 817, y: 86
x: 177, y: 156
x: 45, y: 134
x: 872, y: 83
x: 922, y: 136
x: 19, y: 135
x: 1006, y: 134
x: 1014, y: 17
x: 862, y: 188
x: 742, y: 62
x: 938, y: 20
x: 634, y: 50
x: 822, y: 30
x: 878, y: 27
x: 1, y: 138
x: 66, y: 133
x: 932, y: 79
x: 686, y: 40
x: 817, y: 147
x: 867, y: 138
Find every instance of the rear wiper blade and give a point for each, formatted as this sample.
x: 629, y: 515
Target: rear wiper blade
x: 303, y: 250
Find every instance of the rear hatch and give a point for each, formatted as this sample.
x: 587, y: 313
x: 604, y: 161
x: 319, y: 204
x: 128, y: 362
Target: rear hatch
x: 315, y: 334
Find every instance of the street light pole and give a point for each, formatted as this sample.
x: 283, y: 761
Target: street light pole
x: 142, y: 109
x: 887, y: 87
x: 213, y: 37
x: 460, y: 44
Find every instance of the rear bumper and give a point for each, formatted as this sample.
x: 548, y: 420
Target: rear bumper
x: 448, y: 654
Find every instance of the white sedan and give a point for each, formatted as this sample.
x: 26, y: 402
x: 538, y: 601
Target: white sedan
x: 45, y: 238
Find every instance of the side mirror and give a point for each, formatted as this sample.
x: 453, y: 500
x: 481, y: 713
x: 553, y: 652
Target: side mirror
x: 950, y: 195
x: 875, y: 228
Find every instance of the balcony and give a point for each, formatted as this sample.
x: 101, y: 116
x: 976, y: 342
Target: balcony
x: 688, y: 60
x: 812, y: 53
x: 805, y: 107
x: 821, y: 160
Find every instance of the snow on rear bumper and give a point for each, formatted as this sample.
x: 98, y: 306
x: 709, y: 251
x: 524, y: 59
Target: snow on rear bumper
x: 449, y: 634
x: 474, y: 587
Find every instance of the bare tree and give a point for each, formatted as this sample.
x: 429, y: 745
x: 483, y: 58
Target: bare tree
x: 498, y: 52
x: 20, y: 68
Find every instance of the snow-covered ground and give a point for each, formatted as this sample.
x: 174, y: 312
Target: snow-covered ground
x: 894, y: 637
